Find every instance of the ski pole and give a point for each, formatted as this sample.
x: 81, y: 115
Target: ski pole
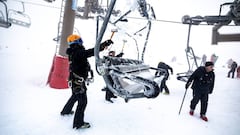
x: 182, y: 102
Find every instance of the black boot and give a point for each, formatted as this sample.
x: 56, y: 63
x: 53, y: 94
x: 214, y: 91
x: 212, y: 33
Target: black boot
x: 109, y: 100
x: 108, y: 96
x: 70, y: 113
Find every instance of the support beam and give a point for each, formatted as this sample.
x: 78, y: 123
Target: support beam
x: 217, y: 37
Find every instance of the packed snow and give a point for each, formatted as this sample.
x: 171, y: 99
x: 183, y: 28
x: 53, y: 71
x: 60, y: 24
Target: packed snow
x: 30, y: 107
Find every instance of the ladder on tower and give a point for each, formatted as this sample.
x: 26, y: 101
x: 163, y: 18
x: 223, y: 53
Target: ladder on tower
x: 60, y: 24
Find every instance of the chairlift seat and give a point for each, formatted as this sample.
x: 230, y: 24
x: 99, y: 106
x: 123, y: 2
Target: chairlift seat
x: 132, y: 78
x: 134, y: 87
x: 19, y: 18
x: 184, y: 76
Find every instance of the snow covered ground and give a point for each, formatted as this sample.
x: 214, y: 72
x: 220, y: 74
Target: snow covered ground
x: 30, y: 107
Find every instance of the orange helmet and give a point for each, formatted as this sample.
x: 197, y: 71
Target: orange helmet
x: 74, y: 39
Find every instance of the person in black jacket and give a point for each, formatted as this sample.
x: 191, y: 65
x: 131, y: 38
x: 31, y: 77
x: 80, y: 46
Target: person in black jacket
x: 109, y: 93
x: 233, y: 69
x: 78, y: 73
x: 203, y: 83
x: 165, y: 67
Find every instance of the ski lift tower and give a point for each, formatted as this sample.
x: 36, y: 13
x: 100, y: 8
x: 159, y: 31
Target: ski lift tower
x: 58, y: 77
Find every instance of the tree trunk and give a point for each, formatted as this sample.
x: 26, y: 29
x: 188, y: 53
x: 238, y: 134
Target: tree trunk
x: 87, y: 9
x: 89, y: 4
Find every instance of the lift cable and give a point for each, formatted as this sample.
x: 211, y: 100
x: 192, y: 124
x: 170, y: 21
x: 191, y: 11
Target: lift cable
x: 36, y: 4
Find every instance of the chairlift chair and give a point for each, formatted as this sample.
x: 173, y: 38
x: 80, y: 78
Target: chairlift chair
x: 127, y: 78
x: 19, y: 17
x: 130, y: 78
x: 4, y: 16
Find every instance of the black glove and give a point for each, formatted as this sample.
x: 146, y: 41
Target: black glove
x: 210, y: 92
x: 120, y: 54
x: 109, y: 42
x: 187, y: 85
x: 105, y: 44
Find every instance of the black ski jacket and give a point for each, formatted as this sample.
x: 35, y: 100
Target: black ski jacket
x: 203, y: 81
x: 78, y: 60
x: 233, y: 66
x: 163, y: 65
x: 77, y: 55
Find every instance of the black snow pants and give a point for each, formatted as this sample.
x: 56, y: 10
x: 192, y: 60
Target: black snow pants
x: 81, y: 99
x: 232, y: 71
x: 203, y: 97
x: 109, y: 93
x: 164, y: 86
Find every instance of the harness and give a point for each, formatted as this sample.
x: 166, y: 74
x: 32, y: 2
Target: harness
x: 76, y: 82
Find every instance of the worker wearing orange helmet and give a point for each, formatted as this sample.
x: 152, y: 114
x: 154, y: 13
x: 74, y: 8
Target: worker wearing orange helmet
x: 78, y: 73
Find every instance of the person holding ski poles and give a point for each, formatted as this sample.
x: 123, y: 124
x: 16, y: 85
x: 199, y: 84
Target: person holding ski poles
x: 78, y: 73
x: 203, y: 83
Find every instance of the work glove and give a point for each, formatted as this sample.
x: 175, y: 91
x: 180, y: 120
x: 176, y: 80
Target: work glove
x: 105, y: 44
x: 187, y: 85
x: 120, y: 54
x: 109, y: 42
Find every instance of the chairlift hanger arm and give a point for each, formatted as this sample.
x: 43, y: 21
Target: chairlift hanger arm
x: 4, y: 22
x: 100, y: 36
x: 189, y: 50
